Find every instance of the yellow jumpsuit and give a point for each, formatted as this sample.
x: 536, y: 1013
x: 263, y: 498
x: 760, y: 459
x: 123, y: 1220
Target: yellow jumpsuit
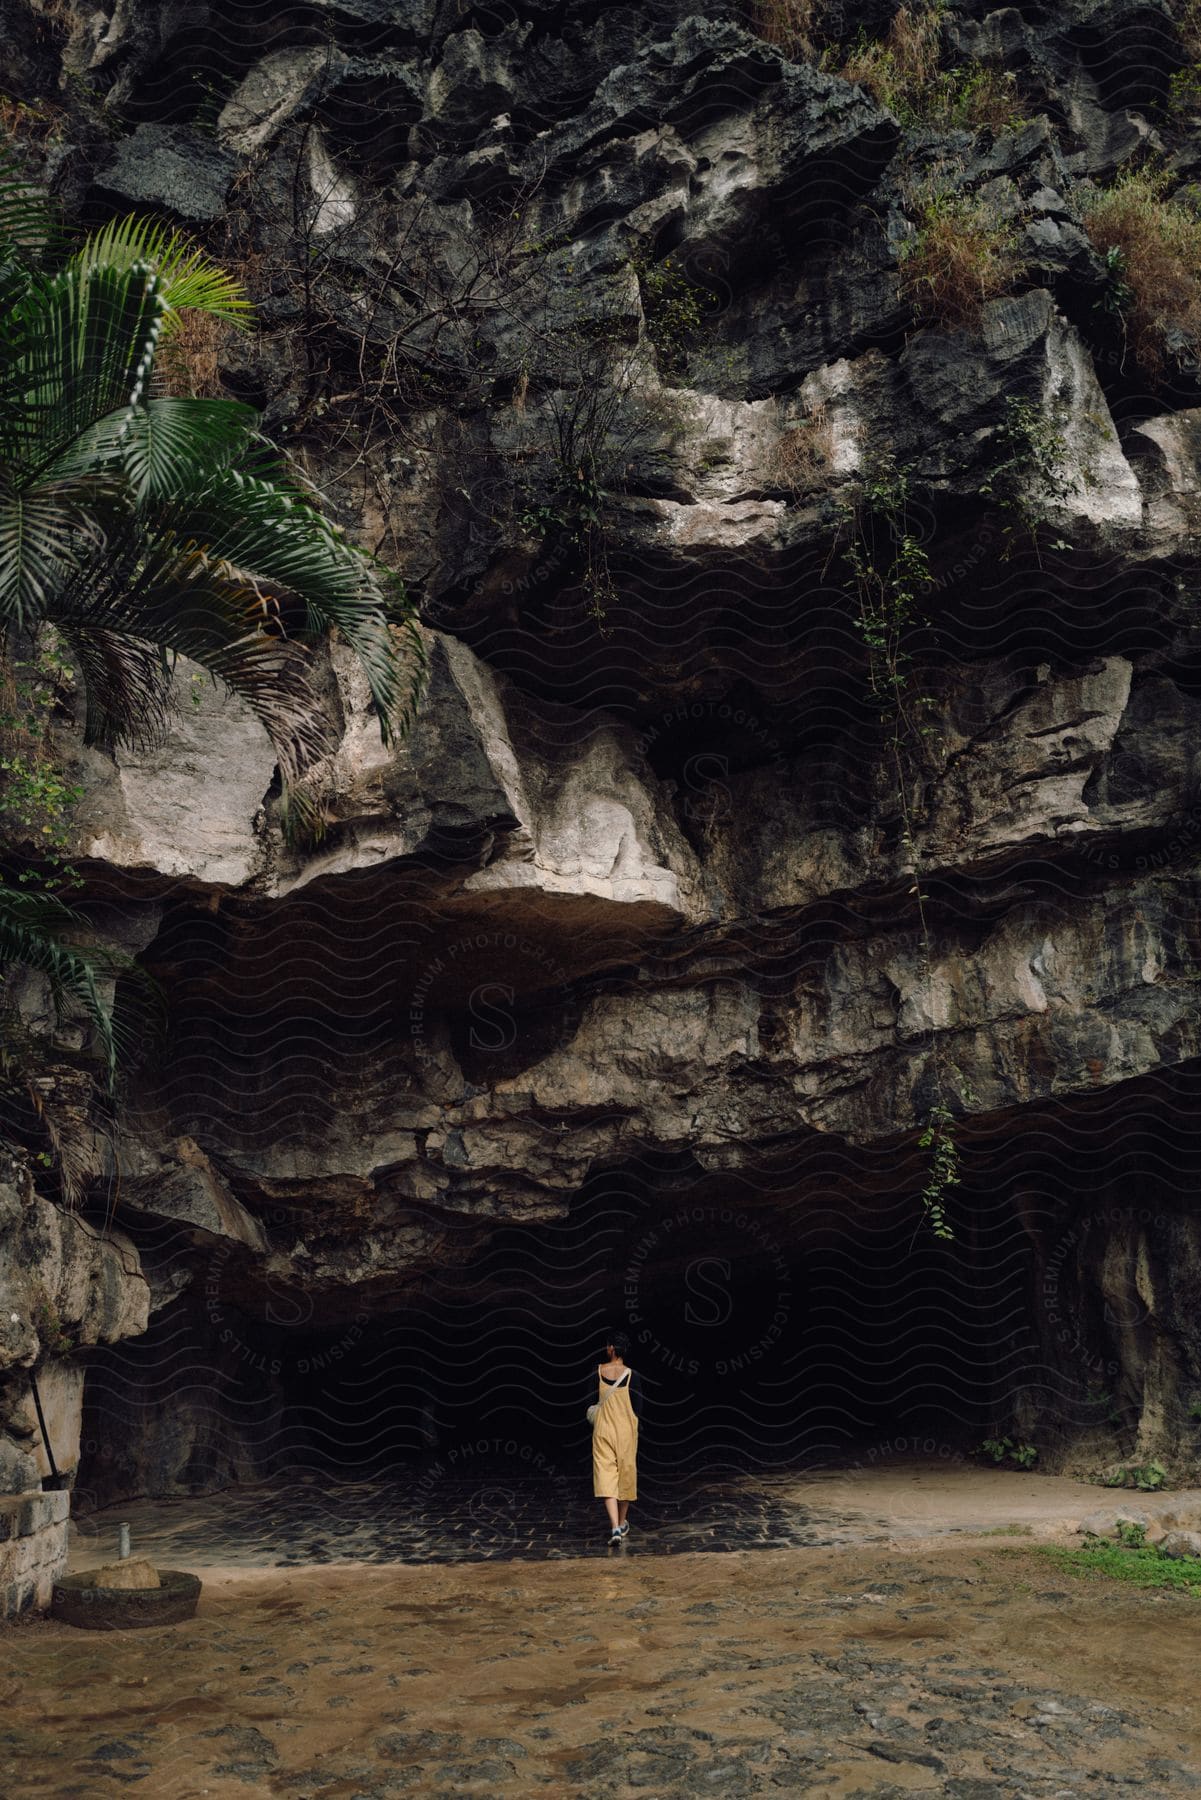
x: 615, y: 1443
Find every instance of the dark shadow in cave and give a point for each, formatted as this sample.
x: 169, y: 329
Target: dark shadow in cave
x: 793, y: 1316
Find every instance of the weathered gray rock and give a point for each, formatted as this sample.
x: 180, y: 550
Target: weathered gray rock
x: 276, y: 91
x: 173, y: 167
x: 64, y: 1288
x: 61, y: 1275
x: 1180, y: 1544
x: 1105, y: 1521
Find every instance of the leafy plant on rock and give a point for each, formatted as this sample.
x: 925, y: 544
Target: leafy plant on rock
x: 55, y: 1338
x: 674, y: 309
x: 1148, y: 1477
x: 1184, y: 87
x: 592, y: 409
x: 888, y: 575
x: 902, y: 72
x: 35, y: 796
x: 1027, y: 480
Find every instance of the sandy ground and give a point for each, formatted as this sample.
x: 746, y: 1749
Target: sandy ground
x: 971, y: 1670
x: 911, y: 1500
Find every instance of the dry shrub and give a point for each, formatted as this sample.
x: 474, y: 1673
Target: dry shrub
x: 901, y: 72
x: 898, y: 69
x: 792, y: 25
x: 1151, y: 246
x: 803, y: 454
x: 960, y: 257
x: 58, y: 16
x: 189, y: 361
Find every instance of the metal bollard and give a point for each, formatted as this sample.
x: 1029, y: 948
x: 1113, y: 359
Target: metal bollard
x: 123, y: 1542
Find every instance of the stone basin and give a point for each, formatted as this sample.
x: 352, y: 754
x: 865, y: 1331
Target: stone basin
x: 77, y: 1600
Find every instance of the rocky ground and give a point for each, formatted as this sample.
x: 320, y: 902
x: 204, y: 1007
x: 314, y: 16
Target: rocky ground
x: 979, y: 1671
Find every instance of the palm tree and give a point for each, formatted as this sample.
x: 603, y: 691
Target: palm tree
x: 144, y: 526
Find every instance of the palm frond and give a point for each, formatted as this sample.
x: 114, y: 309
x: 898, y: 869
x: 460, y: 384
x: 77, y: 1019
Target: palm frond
x: 160, y: 595
x: 31, y: 927
x: 28, y: 227
x: 189, y: 276
x: 46, y: 530
x: 81, y: 345
x: 168, y: 444
x: 164, y: 445
x: 259, y: 523
x: 125, y: 681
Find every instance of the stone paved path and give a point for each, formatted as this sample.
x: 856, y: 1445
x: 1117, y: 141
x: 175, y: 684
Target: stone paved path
x: 497, y: 1512
x: 506, y: 1516
x: 845, y: 1674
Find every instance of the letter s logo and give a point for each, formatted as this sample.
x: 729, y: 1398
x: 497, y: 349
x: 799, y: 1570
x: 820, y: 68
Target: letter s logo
x: 499, y: 1027
x: 293, y: 1309
x: 708, y: 799
x: 707, y: 1278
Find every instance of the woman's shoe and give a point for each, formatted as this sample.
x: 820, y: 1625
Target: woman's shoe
x: 615, y: 1536
x: 623, y: 1530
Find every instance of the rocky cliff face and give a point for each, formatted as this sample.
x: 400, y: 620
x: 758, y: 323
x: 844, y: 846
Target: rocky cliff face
x: 595, y: 320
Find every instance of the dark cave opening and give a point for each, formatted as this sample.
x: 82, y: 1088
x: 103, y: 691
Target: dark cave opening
x: 795, y: 1317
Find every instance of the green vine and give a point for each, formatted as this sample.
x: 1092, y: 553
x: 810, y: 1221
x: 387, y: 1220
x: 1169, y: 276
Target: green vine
x: 1027, y: 480
x: 674, y: 309
x: 943, y: 1173
x: 888, y: 575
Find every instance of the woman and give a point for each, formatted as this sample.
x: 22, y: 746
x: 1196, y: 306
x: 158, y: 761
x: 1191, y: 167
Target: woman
x: 614, y: 1419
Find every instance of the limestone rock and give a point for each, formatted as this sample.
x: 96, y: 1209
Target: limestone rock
x: 60, y: 1276
x: 640, y: 901
x: 64, y: 1287
x: 1104, y: 1522
x: 279, y: 87
x: 173, y: 167
x: 1180, y: 1544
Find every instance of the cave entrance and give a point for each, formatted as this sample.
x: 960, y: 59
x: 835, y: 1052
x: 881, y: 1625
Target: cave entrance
x: 793, y: 1318
x: 772, y: 1329
x: 777, y: 1325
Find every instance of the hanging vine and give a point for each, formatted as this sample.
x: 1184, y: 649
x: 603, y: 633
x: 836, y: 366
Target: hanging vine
x: 888, y: 576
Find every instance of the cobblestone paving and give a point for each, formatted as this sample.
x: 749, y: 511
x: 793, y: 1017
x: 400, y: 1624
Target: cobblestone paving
x: 440, y: 1517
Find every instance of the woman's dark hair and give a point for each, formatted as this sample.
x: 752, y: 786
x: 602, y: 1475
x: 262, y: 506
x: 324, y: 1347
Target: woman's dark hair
x: 616, y: 1340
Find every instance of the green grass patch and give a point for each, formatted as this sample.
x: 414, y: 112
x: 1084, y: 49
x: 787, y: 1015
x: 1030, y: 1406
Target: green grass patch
x: 1008, y: 1531
x: 1114, y: 1562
